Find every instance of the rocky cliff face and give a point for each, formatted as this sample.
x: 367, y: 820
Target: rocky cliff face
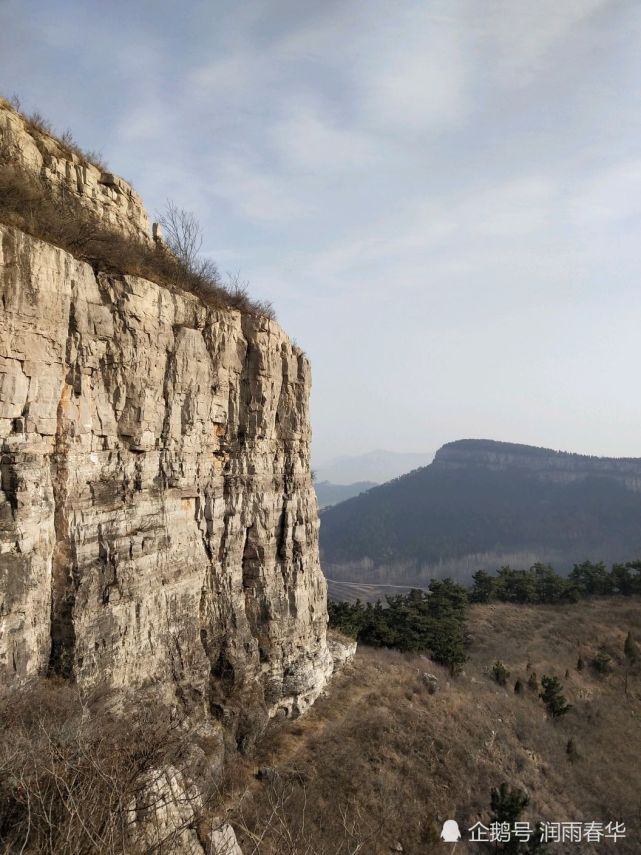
x: 100, y: 193
x: 158, y: 523
x: 559, y: 467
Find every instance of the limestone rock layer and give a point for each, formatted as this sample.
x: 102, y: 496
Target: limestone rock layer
x: 158, y: 522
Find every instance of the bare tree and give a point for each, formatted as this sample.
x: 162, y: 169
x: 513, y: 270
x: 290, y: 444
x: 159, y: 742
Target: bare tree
x: 183, y: 234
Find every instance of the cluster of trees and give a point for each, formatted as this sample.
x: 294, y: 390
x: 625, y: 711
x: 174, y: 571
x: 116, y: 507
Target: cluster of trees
x: 420, y: 621
x: 434, y: 621
x: 552, y: 694
x: 542, y: 584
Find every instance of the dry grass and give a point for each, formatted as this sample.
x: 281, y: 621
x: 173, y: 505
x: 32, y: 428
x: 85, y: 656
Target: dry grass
x: 37, y: 125
x: 30, y: 204
x: 381, y: 758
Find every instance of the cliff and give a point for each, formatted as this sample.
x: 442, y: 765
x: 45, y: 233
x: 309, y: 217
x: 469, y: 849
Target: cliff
x: 561, y: 467
x: 158, y: 524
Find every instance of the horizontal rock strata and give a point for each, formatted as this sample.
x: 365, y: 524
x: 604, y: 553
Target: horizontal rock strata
x: 158, y: 522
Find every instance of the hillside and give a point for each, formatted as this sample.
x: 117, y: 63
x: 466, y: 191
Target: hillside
x: 380, y: 761
x: 486, y: 503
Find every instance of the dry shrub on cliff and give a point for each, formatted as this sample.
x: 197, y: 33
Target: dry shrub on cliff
x: 77, y: 777
x: 30, y: 204
x: 38, y: 125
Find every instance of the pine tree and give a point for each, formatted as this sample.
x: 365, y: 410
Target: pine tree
x: 532, y: 682
x: 580, y: 664
x: 507, y: 806
x: 553, y: 698
x: 483, y: 587
x: 518, y: 688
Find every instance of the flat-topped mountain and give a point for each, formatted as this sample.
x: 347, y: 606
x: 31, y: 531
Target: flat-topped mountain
x: 484, y: 503
x: 558, y: 466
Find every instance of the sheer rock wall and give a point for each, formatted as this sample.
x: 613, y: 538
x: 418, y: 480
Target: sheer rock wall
x: 158, y: 522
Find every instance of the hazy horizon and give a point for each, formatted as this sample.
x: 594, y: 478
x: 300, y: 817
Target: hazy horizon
x: 442, y: 200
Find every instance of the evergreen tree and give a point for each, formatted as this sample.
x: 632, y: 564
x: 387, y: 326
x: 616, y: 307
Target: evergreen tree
x: 500, y: 672
x: 622, y: 578
x: 548, y: 586
x: 532, y: 682
x: 507, y: 806
x: 592, y: 579
x: 518, y: 687
x: 483, y: 588
x: 552, y: 696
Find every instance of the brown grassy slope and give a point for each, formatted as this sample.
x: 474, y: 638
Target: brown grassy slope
x: 380, y: 760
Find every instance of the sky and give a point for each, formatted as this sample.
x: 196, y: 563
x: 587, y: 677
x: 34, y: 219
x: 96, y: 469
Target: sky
x: 441, y: 199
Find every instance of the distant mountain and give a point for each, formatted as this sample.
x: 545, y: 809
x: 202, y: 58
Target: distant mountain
x: 483, y: 503
x: 331, y: 494
x: 376, y: 466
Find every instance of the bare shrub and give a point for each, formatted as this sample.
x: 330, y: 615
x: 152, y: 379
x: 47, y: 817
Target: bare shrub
x: 31, y: 205
x: 94, y: 157
x: 280, y: 823
x: 77, y: 777
x: 37, y: 122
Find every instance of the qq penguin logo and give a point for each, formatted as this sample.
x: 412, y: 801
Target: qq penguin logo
x: 450, y: 833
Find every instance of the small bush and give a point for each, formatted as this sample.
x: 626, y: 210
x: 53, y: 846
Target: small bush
x: 500, y: 672
x: 72, y: 147
x: 631, y: 649
x: 602, y: 662
x: 570, y: 750
x: 36, y: 122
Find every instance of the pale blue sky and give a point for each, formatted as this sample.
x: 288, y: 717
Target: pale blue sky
x: 442, y: 199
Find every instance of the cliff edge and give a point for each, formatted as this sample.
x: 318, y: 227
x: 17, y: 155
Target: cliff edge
x: 158, y: 524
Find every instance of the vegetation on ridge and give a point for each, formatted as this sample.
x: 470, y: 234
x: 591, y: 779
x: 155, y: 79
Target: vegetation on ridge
x: 31, y: 204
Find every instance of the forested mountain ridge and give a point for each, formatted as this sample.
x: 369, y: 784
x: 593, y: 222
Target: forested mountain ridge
x: 481, y: 497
